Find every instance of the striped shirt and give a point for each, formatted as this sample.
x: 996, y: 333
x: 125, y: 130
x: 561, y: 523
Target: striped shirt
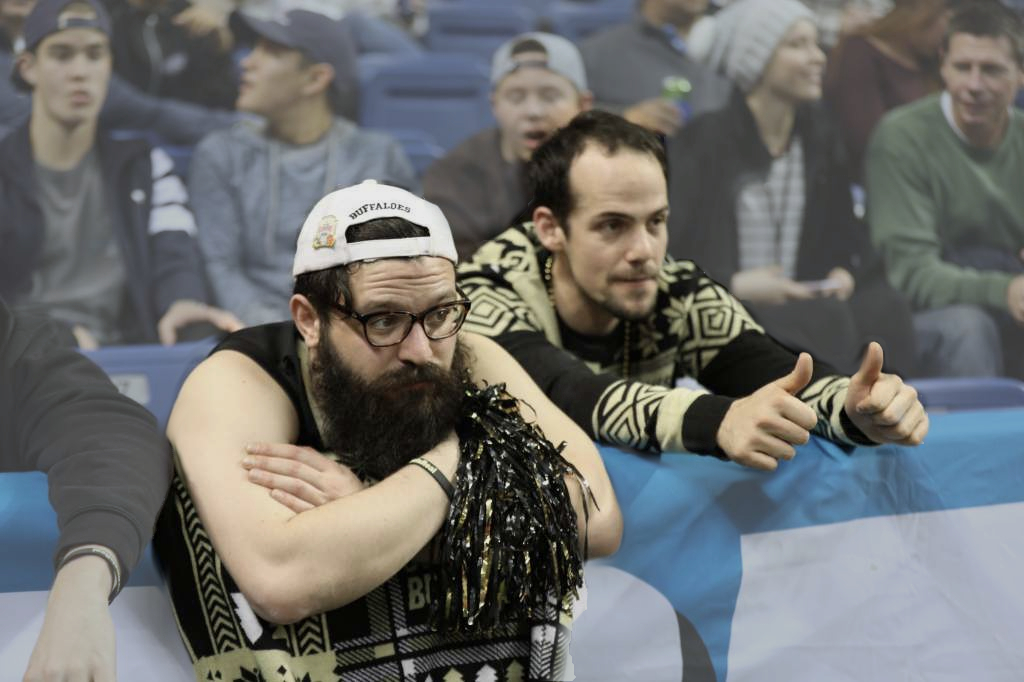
x: 770, y: 213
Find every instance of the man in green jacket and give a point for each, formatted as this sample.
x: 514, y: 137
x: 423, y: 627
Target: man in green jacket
x: 945, y: 204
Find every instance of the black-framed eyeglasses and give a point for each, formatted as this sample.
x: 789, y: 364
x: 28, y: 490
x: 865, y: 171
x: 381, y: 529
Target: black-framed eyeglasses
x: 390, y: 328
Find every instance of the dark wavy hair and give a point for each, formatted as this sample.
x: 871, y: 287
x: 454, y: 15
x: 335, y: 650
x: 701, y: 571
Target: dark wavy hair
x: 548, y: 170
x: 988, y: 19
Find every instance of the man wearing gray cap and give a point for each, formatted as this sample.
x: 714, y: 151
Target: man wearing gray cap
x: 539, y: 85
x: 252, y: 185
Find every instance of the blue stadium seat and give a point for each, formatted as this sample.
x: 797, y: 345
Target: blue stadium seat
x: 536, y: 6
x: 151, y: 375
x: 444, y: 95
x: 476, y: 28
x: 421, y: 147
x: 946, y: 394
x: 576, y: 20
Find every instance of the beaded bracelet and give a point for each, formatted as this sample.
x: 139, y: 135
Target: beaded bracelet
x: 432, y: 469
x: 105, y: 554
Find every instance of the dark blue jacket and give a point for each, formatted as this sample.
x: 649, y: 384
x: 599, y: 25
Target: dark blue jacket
x: 161, y: 260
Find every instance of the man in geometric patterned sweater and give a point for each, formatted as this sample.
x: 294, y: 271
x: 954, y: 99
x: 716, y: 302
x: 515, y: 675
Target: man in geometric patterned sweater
x: 586, y: 300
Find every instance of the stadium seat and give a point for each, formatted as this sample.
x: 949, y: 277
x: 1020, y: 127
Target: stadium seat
x: 444, y: 95
x: 948, y: 394
x: 421, y: 147
x: 476, y: 28
x: 576, y: 20
x: 151, y: 375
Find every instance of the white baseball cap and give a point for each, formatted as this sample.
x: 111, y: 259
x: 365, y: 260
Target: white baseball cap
x: 322, y: 244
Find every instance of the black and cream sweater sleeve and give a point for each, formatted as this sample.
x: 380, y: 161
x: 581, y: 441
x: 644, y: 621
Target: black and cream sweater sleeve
x: 697, y: 329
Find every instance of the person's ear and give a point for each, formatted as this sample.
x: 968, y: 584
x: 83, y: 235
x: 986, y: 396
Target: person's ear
x: 27, y: 65
x: 548, y: 229
x: 586, y: 100
x: 319, y: 78
x: 306, y: 319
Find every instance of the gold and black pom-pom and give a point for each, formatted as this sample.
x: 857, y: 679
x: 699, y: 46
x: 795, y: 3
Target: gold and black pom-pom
x: 510, y: 545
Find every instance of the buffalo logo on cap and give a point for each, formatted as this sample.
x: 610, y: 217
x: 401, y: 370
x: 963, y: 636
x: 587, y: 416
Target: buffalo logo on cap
x: 326, y: 233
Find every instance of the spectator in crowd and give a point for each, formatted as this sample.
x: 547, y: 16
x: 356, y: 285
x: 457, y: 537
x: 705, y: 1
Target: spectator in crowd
x: 375, y: 26
x: 761, y: 192
x: 252, y: 185
x: 160, y: 53
x: 837, y: 18
x: 96, y: 232
x: 585, y: 298
x: 539, y: 85
x: 887, y: 63
x: 125, y: 107
x: 12, y: 18
x: 337, y: 579
x: 108, y: 468
x: 945, y: 206
x: 630, y: 67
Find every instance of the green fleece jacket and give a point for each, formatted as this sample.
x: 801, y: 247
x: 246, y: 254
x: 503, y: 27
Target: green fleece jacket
x: 933, y: 198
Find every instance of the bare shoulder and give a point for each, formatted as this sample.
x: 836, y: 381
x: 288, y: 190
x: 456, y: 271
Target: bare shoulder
x: 229, y: 393
x: 482, y: 346
x: 488, y: 361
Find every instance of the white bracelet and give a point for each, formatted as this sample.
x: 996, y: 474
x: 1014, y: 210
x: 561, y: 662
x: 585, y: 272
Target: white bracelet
x: 102, y: 552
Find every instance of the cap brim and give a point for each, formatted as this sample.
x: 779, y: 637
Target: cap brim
x: 248, y: 29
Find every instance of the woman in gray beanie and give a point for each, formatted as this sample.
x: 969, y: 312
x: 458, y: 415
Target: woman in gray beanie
x: 760, y: 196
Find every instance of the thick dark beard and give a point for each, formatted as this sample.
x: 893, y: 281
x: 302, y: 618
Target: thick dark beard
x: 377, y: 426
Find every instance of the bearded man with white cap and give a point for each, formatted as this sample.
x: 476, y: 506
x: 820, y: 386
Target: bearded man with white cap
x: 400, y: 554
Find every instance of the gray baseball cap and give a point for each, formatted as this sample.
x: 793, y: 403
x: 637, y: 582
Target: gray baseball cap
x: 560, y: 56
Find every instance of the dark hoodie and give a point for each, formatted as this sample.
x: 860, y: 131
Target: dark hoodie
x: 107, y: 464
x: 156, y: 240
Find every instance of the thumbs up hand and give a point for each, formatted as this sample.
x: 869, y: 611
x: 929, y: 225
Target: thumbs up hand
x: 762, y: 428
x: 884, y: 408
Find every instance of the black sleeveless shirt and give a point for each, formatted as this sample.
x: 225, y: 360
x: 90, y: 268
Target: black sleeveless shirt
x: 384, y: 635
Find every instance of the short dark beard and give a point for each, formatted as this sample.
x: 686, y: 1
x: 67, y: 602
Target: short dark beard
x: 377, y: 426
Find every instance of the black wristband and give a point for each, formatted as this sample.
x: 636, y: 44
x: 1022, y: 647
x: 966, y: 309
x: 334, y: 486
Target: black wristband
x: 438, y: 475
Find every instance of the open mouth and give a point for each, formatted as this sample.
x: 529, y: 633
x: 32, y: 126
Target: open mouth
x: 534, y: 138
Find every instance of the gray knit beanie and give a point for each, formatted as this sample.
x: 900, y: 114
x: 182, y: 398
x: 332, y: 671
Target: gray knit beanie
x: 746, y: 34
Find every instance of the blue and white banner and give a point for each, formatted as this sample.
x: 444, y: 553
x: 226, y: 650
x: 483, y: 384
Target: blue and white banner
x: 884, y: 564
x: 888, y: 563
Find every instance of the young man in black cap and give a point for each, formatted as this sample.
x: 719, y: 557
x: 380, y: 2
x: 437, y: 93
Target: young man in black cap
x: 252, y: 185
x: 96, y: 232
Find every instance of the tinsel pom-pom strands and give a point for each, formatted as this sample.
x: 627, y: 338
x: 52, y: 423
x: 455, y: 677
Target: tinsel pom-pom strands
x: 510, y: 544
